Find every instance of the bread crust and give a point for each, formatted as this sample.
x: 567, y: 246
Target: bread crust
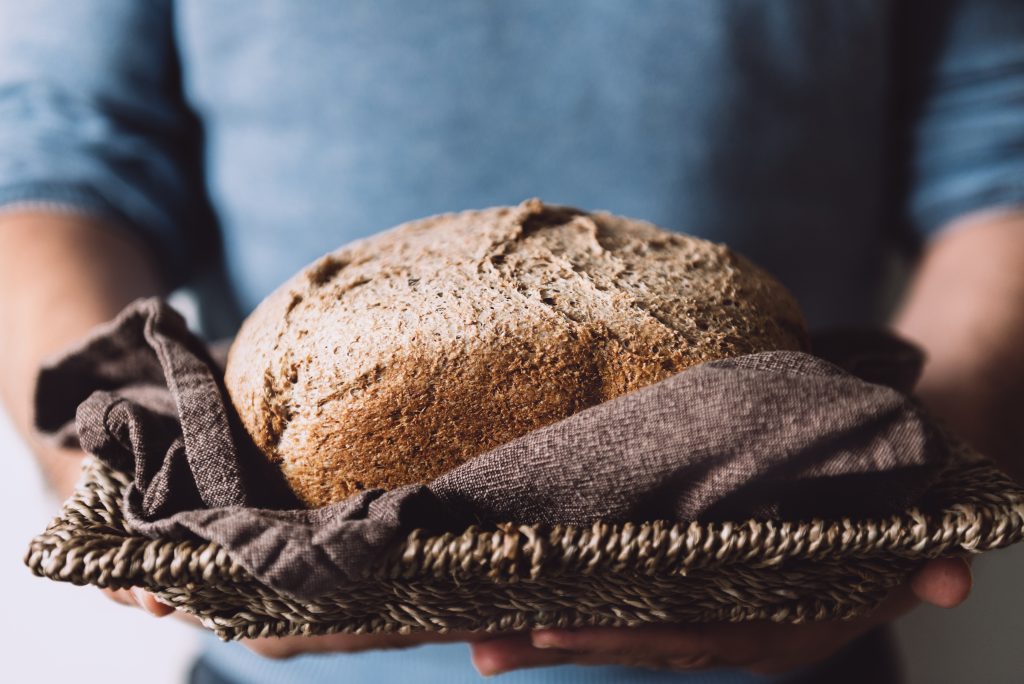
x: 400, y: 356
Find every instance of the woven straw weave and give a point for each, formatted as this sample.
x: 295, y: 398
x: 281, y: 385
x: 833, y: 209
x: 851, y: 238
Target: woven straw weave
x: 518, y: 577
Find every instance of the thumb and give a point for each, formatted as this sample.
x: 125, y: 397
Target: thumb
x: 943, y: 582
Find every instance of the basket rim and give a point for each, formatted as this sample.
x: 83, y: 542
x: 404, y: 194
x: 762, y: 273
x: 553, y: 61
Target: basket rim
x: 88, y: 544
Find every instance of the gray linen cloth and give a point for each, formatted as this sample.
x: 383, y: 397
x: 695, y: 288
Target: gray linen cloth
x: 773, y: 434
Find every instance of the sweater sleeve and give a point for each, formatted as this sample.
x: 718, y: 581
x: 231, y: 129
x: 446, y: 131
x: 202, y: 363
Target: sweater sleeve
x: 965, y: 96
x: 92, y: 118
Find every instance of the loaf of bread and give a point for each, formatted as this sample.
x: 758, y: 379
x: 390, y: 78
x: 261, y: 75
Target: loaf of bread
x: 400, y: 356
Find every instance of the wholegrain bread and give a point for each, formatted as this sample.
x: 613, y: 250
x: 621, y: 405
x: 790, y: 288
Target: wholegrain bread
x: 400, y: 356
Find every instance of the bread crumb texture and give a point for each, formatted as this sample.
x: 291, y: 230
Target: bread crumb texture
x: 400, y: 356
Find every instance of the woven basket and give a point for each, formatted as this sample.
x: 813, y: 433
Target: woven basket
x: 518, y: 577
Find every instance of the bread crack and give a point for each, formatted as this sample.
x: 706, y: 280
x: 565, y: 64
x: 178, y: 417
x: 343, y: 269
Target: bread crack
x: 326, y: 270
x: 277, y: 412
x: 534, y: 215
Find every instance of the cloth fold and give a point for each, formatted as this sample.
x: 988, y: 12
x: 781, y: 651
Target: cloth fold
x: 767, y: 435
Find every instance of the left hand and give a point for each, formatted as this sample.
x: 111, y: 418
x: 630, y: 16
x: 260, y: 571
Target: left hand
x: 280, y: 648
x: 760, y: 647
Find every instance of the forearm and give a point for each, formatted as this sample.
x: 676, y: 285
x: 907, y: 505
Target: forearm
x: 965, y: 307
x: 60, y: 275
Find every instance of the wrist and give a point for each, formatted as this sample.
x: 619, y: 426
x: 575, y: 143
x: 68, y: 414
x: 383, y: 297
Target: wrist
x: 60, y: 275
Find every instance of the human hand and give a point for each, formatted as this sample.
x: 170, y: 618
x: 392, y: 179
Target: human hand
x: 286, y: 647
x: 760, y: 647
x: 140, y: 598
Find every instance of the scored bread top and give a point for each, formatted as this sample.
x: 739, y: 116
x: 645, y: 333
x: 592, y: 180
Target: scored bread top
x: 400, y: 356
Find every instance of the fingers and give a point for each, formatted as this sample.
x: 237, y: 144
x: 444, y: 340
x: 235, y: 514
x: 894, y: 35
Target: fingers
x: 667, y: 641
x: 139, y: 598
x: 150, y: 603
x: 510, y: 653
x: 287, y: 647
x: 944, y: 582
x: 122, y: 596
x: 657, y: 647
x: 648, y: 647
x: 758, y: 646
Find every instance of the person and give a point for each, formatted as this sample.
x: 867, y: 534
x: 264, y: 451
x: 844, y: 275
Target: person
x: 149, y: 146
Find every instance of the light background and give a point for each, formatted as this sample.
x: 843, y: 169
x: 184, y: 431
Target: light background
x: 60, y: 633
